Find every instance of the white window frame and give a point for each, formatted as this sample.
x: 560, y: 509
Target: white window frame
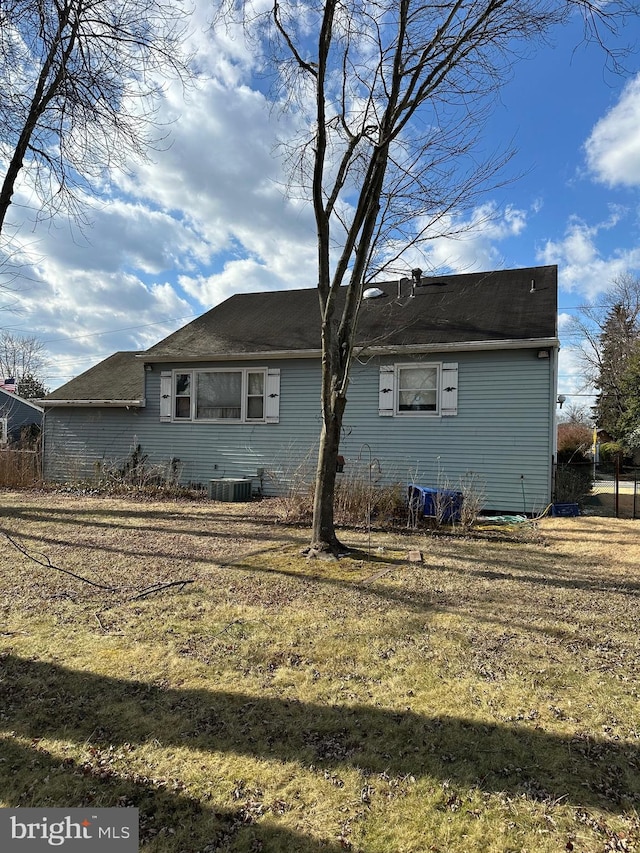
x: 244, y: 395
x: 412, y: 365
x: 4, y: 431
x: 447, y: 390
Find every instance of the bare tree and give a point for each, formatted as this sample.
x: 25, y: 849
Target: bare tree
x: 78, y: 87
x: 576, y: 413
x: 393, y: 94
x: 23, y: 359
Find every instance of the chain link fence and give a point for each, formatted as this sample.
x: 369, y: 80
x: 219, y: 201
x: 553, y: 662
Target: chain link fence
x: 599, y: 489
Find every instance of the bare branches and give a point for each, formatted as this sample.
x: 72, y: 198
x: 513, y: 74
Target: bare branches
x: 156, y: 588
x: 79, y: 81
x: 21, y: 355
x: 42, y: 560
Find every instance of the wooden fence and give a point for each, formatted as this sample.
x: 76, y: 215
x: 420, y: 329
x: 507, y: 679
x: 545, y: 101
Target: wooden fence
x: 20, y: 468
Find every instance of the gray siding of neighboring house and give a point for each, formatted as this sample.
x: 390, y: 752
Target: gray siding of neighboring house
x: 18, y: 414
x: 502, y: 432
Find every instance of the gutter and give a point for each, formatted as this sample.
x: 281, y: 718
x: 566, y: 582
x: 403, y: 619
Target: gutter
x: 103, y: 404
x: 408, y: 349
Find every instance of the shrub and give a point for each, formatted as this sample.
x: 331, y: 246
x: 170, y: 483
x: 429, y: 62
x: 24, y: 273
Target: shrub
x: 574, y: 478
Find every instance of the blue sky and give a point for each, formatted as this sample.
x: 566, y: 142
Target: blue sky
x: 206, y: 217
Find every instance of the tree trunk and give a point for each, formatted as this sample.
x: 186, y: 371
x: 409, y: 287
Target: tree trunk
x: 323, y: 535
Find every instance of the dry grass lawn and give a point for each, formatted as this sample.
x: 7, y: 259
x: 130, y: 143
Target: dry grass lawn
x: 484, y: 699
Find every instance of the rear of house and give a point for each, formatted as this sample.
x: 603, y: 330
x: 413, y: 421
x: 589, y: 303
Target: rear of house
x: 453, y: 379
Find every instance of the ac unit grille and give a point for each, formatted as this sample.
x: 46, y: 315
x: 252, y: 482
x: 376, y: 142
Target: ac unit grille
x: 230, y: 489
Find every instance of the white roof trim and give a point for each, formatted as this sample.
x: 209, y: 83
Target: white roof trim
x: 409, y: 349
x: 109, y: 404
x: 11, y: 396
x: 234, y: 356
x: 462, y: 346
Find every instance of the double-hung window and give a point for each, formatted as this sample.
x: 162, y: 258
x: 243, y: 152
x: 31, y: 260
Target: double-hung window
x: 220, y: 395
x: 417, y: 389
x: 426, y: 389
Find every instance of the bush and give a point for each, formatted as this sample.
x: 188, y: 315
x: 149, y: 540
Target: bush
x: 574, y: 478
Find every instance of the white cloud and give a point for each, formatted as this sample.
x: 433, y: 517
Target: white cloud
x: 613, y: 148
x: 564, y: 320
x: 476, y: 245
x: 206, y: 217
x: 582, y: 266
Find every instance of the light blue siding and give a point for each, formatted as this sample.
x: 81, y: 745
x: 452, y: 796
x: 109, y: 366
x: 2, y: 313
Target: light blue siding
x: 502, y: 432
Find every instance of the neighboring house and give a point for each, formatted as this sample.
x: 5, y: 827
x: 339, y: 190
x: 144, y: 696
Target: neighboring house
x: 18, y: 418
x: 455, y: 375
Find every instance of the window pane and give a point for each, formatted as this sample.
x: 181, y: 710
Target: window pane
x: 255, y: 408
x: 256, y: 384
x: 183, y: 383
x: 417, y: 391
x: 219, y: 395
x: 255, y: 399
x: 183, y: 407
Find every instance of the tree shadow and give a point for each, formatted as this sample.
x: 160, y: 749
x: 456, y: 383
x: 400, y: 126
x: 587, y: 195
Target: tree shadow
x: 175, y: 820
x: 47, y: 700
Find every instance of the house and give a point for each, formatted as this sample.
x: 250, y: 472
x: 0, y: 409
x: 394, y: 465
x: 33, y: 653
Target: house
x: 451, y: 375
x: 19, y: 418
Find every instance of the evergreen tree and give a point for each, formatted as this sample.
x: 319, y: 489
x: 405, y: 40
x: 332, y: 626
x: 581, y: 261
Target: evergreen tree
x: 629, y: 423
x: 618, y: 340
x: 31, y: 388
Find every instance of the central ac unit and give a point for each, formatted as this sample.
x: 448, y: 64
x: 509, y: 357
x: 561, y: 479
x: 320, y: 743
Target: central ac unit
x: 230, y: 489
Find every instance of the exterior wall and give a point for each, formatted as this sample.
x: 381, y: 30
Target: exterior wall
x: 79, y: 440
x: 18, y: 414
x: 503, y: 432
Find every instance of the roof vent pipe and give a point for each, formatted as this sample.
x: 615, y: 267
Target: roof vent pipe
x: 533, y: 286
x: 401, y: 281
x: 416, y: 278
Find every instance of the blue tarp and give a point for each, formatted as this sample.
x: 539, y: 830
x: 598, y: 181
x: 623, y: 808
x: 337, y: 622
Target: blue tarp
x: 444, y: 504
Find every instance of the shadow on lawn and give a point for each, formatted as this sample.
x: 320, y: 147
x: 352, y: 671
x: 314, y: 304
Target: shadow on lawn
x: 176, y: 821
x: 46, y: 700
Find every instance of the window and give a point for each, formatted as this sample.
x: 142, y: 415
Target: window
x: 218, y: 396
x: 183, y: 395
x: 417, y: 389
x: 240, y: 395
x: 428, y: 389
x: 4, y: 430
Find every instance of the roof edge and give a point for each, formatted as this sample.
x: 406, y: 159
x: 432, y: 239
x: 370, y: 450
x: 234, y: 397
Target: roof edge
x: 462, y: 346
x: 456, y: 346
x: 112, y: 404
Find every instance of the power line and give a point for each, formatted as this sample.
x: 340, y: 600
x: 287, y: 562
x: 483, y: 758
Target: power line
x: 124, y: 329
x: 113, y: 331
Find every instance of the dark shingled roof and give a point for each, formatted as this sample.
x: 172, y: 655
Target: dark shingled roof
x: 119, y: 377
x: 490, y: 306
x: 506, y: 305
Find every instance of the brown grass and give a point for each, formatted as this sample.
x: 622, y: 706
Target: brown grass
x: 485, y: 699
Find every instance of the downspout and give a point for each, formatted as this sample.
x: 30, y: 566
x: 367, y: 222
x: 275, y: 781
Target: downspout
x: 554, y: 418
x: 42, y: 440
